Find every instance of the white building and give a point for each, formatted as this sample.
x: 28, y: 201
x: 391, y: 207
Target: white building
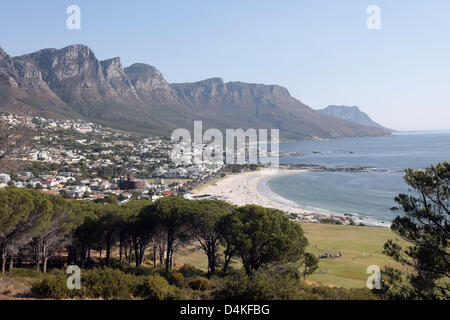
x: 4, y: 178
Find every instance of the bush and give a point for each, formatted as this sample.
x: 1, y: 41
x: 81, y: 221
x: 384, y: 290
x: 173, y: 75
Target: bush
x: 97, y: 283
x: 261, y: 286
x: 108, y: 283
x: 154, y: 288
x: 331, y: 221
x: 141, y: 271
x: 177, y: 279
x: 327, y: 293
x: 53, y: 286
x: 200, y: 284
x: 189, y: 271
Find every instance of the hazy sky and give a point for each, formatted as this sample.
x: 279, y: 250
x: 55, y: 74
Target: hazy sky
x: 321, y: 50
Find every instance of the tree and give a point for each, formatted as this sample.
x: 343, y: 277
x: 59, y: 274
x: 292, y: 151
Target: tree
x: 151, y: 193
x: 225, y: 228
x: 110, y: 219
x: 310, y: 263
x: 87, y: 234
x: 57, y: 232
x: 15, y: 207
x: 204, y: 227
x: 173, y: 217
x: 425, y: 225
x: 24, y: 214
x: 38, y: 221
x: 142, y: 227
x: 263, y: 236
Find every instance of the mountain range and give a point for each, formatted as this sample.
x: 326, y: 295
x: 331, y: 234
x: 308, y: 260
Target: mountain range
x: 72, y: 83
x: 352, y: 114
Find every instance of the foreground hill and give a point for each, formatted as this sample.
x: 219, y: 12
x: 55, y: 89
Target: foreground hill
x: 72, y: 83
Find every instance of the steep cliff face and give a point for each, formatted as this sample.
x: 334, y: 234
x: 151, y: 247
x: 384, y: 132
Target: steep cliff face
x: 116, y: 79
x: 75, y: 75
x: 246, y: 105
x: 149, y: 84
x: 21, y: 80
x: 74, y: 83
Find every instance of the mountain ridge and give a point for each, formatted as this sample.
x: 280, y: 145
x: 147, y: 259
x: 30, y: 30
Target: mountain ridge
x: 352, y: 114
x: 72, y: 82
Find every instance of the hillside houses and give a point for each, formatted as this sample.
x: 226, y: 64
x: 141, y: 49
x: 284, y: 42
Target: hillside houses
x: 82, y: 160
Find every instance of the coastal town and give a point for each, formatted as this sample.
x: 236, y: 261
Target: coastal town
x: 83, y: 160
x: 86, y: 161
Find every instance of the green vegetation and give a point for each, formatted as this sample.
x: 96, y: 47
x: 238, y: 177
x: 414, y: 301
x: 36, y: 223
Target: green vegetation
x: 154, y: 288
x: 349, y: 270
x: 108, y: 237
x: 130, y: 251
x: 261, y: 236
x: 426, y: 227
x: 331, y: 221
x: 285, y: 284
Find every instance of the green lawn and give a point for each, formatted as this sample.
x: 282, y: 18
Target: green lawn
x: 348, y: 271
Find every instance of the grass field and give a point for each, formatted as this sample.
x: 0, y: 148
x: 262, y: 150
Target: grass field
x: 348, y: 271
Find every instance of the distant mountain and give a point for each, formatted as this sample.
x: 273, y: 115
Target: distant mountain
x: 352, y: 114
x: 72, y: 83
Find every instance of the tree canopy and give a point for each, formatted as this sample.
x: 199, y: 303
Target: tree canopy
x: 425, y: 224
x: 262, y: 236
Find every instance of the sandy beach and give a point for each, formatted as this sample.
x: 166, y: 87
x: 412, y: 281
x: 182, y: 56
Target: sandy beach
x: 245, y: 188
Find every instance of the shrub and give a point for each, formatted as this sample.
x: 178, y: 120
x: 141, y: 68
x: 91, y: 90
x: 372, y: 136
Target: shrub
x: 328, y: 293
x: 331, y: 221
x: 97, y: 283
x: 177, y: 279
x: 261, y: 286
x: 154, y: 288
x: 189, y: 271
x: 200, y: 284
x: 107, y: 283
x: 140, y: 271
x: 53, y: 286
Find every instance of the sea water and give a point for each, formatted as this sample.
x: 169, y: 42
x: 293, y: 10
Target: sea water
x: 369, y: 195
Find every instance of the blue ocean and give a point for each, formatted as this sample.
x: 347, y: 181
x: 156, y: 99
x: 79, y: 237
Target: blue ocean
x: 369, y: 195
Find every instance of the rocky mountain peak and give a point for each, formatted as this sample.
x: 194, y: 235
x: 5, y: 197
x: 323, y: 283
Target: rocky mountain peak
x: 2, y: 53
x: 69, y: 62
x: 149, y: 83
x: 142, y: 72
x: 352, y: 114
x: 112, y: 68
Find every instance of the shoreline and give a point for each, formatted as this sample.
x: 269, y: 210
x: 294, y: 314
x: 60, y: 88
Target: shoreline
x: 244, y: 188
x: 252, y: 188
